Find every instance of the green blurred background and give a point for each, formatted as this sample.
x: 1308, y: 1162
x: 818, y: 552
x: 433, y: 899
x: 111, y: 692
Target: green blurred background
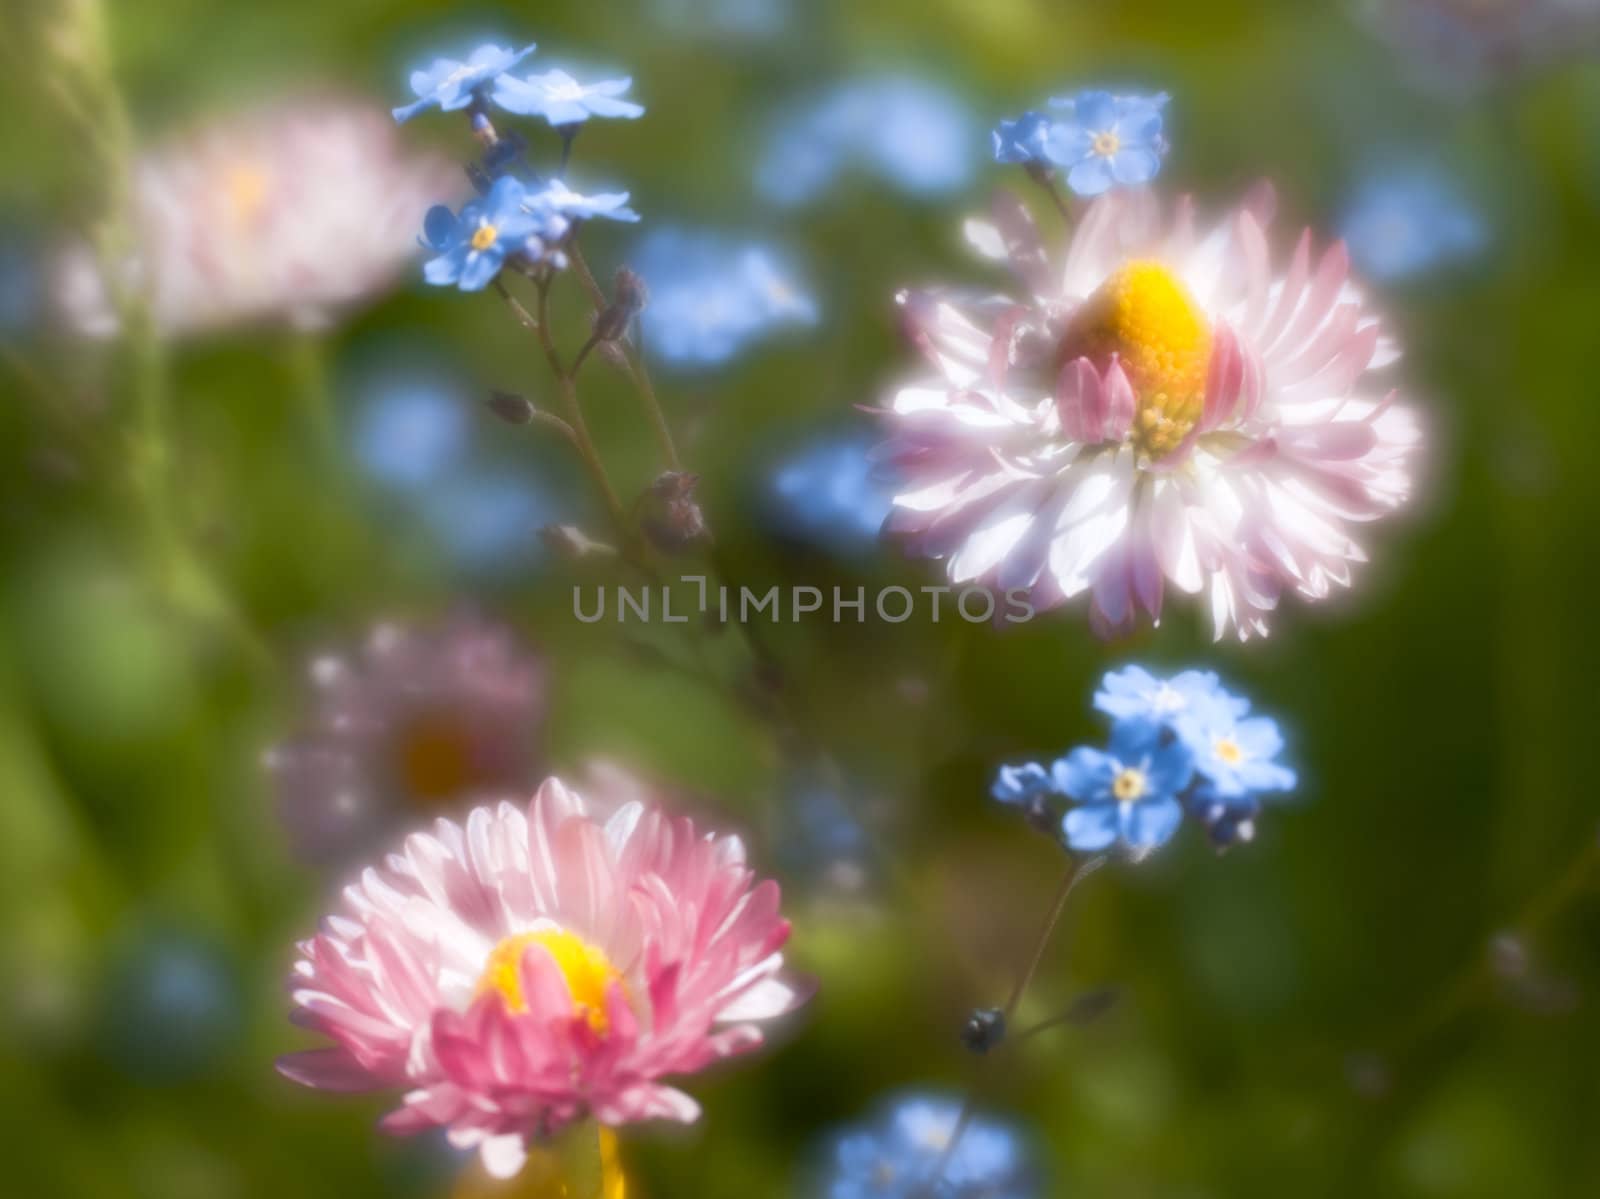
x: 1326, y: 1012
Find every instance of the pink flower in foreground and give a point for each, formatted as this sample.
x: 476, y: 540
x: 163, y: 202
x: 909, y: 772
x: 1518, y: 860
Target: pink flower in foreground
x: 286, y: 214
x: 533, y: 970
x: 1160, y: 409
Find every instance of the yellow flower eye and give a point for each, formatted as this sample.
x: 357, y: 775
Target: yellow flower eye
x: 484, y: 237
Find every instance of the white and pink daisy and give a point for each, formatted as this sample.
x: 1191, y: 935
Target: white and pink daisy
x: 289, y: 214
x: 1159, y: 410
x: 536, y: 969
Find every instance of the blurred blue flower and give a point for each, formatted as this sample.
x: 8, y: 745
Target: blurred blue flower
x: 913, y: 134
x: 895, y: 1156
x: 1235, y: 754
x: 173, y: 1004
x: 827, y: 492
x: 1127, y: 793
x: 818, y: 835
x: 733, y: 18
x: 1409, y: 220
x: 1104, y: 141
x: 410, y: 428
x: 19, y: 283
x: 450, y: 84
x: 473, y: 246
x: 488, y: 521
x: 555, y: 198
x: 562, y: 100
x: 1022, y: 784
x: 712, y: 296
x: 1021, y: 140
x: 1134, y: 693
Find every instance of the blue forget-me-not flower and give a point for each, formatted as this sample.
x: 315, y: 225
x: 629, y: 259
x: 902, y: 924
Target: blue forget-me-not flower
x: 1406, y: 221
x: 711, y: 296
x: 828, y: 492
x: 896, y: 1156
x: 1099, y: 140
x: 451, y: 84
x: 1183, y: 744
x: 562, y: 100
x: 474, y: 245
x: 1128, y: 793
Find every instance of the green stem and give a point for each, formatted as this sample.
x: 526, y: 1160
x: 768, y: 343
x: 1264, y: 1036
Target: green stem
x: 633, y: 366
x: 1077, y: 870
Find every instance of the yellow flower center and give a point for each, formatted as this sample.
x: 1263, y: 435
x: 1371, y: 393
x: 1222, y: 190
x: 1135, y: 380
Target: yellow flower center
x: 586, y: 968
x: 484, y: 236
x: 1106, y: 144
x: 438, y: 758
x: 1228, y: 750
x: 1129, y: 784
x: 244, y: 188
x: 1143, y: 314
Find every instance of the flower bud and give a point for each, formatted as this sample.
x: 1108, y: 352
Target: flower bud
x: 628, y: 297
x: 510, y: 407
x: 985, y: 1028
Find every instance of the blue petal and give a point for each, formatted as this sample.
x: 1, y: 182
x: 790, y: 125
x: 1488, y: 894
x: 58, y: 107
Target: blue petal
x: 1133, y: 165
x: 1151, y: 822
x: 480, y: 268
x: 1066, y: 145
x: 602, y: 106
x: 1259, y: 737
x: 439, y: 227
x: 1091, y: 827
x: 1134, y: 740
x: 1171, y: 768
x: 1084, y: 774
x: 1090, y: 177
x: 406, y: 111
x: 445, y: 269
x: 1095, y: 111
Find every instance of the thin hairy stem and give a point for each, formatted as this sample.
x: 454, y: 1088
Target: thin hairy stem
x: 567, y: 389
x: 632, y: 366
x: 1077, y: 871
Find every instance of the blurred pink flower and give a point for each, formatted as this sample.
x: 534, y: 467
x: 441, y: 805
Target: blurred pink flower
x: 419, y: 720
x: 1159, y: 409
x: 532, y: 970
x: 288, y: 213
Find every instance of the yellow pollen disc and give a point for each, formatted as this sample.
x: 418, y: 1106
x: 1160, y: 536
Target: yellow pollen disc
x: 1106, y: 144
x: 484, y: 237
x: 1143, y: 314
x: 1228, y: 750
x: 585, y: 967
x: 1128, y: 785
x: 245, y: 189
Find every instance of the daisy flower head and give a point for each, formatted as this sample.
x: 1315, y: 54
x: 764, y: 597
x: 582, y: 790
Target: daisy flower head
x: 896, y: 1155
x: 1158, y: 409
x: 562, y: 100
x: 287, y: 214
x: 538, y: 967
x: 418, y: 720
x: 451, y: 84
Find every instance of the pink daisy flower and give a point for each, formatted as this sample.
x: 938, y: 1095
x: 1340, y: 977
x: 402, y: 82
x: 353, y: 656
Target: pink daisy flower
x: 532, y: 970
x: 291, y: 213
x: 1158, y: 411
x: 419, y: 719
